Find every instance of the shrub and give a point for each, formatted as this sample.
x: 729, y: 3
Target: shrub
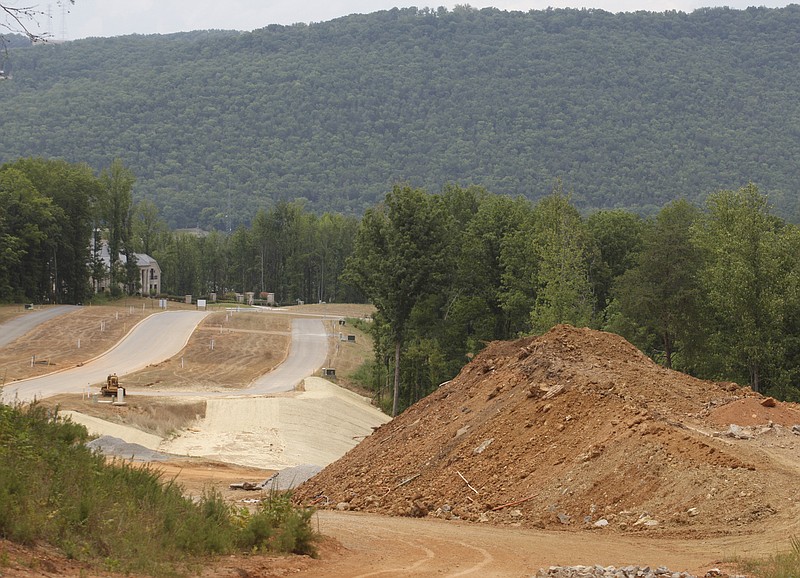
x: 279, y: 526
x: 54, y: 489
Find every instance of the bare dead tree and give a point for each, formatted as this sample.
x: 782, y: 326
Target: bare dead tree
x: 19, y: 20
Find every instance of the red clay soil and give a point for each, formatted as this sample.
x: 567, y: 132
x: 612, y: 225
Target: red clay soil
x: 576, y: 429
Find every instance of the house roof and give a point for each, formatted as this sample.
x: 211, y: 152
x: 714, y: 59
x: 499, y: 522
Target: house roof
x: 145, y: 260
x: 142, y: 259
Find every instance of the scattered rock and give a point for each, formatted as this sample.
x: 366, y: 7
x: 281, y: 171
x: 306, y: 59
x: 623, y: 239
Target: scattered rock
x: 769, y: 402
x: 598, y: 571
x: 737, y: 432
x: 483, y: 446
x: 418, y: 509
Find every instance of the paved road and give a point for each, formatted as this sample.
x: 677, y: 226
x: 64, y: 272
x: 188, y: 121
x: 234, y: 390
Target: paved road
x: 19, y: 326
x: 156, y: 338
x: 307, y: 354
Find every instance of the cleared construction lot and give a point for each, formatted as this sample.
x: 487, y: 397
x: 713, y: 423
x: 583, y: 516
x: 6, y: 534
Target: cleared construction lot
x: 203, y: 414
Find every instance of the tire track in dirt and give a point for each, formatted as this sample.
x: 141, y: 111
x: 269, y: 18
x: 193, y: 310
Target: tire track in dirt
x: 429, y: 555
x: 487, y: 559
x: 376, y: 545
x: 424, y: 551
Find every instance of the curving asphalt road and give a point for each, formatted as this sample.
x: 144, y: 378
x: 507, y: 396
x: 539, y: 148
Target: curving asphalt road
x: 19, y: 326
x: 154, y: 339
x: 159, y: 337
x: 307, y: 354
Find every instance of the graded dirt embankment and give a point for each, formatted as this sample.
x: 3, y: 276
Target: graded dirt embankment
x: 576, y: 430
x: 314, y: 426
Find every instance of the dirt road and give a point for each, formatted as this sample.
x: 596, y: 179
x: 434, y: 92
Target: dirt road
x: 157, y: 337
x: 374, y: 545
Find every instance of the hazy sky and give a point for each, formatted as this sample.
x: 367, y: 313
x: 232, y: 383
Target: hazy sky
x: 114, y: 17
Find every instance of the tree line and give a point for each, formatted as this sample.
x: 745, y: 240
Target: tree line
x: 56, y: 216
x: 631, y: 110
x: 287, y: 250
x: 710, y: 290
x: 53, y: 217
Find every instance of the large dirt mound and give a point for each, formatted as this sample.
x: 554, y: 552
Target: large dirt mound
x: 573, y: 429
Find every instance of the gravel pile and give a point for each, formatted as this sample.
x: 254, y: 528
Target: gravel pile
x: 598, y: 571
x: 116, y: 447
x: 290, y: 478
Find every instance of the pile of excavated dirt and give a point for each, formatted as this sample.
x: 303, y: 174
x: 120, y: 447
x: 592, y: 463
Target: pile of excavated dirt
x: 575, y: 429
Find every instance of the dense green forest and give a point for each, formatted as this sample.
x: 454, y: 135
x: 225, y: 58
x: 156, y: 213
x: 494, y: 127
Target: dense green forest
x: 710, y: 289
x: 628, y: 110
x: 54, y: 216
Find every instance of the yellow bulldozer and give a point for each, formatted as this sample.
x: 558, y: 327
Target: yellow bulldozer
x: 112, y: 386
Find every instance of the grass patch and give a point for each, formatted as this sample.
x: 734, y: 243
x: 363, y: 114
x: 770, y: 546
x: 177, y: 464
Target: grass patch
x: 165, y: 419
x: 781, y: 565
x: 118, y: 516
x: 158, y: 416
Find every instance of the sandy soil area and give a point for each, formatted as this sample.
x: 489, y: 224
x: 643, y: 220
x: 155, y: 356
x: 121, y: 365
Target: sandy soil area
x: 584, y: 422
x: 314, y: 426
x: 69, y: 339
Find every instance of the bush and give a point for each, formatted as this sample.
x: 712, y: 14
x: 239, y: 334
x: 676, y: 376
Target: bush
x: 123, y: 517
x: 279, y: 526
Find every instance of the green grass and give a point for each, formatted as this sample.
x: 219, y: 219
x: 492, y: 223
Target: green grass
x: 118, y: 516
x: 782, y: 565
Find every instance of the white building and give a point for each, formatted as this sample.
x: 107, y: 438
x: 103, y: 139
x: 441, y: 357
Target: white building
x: 149, y: 272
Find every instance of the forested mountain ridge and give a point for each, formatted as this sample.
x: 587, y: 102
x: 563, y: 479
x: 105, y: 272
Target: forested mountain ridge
x: 628, y: 110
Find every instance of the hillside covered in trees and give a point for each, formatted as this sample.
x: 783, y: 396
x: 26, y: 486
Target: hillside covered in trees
x: 629, y: 110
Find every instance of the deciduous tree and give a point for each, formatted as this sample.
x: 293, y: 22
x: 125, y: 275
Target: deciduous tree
x: 561, y: 244
x: 397, y: 256
x: 744, y: 283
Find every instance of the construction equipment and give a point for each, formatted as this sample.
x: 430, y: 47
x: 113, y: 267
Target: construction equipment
x: 112, y: 387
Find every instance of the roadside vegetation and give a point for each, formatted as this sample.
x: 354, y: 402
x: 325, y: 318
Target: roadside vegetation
x: 153, y: 415
x: 781, y: 565
x: 122, y: 517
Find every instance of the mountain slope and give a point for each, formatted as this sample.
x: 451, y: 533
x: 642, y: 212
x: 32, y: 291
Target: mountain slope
x: 630, y: 109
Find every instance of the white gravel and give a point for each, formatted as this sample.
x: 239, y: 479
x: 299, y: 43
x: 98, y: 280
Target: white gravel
x: 111, y: 446
x: 290, y: 478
